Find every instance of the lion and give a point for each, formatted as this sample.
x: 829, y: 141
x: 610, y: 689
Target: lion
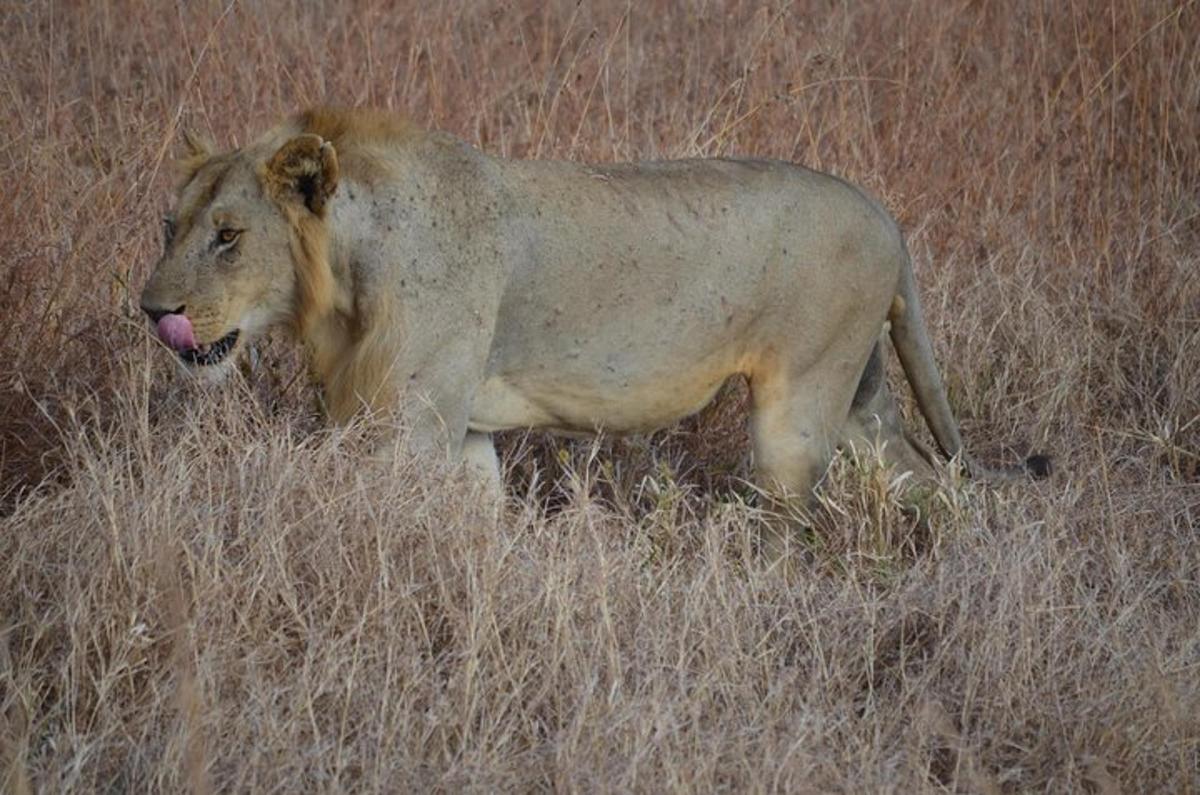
x: 473, y: 294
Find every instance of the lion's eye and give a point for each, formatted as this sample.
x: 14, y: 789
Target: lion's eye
x: 227, y: 236
x: 168, y: 230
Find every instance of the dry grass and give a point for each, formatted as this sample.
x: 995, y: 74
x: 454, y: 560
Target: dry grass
x: 203, y: 590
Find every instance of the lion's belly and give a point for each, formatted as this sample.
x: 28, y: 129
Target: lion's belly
x: 606, y: 400
x: 573, y: 357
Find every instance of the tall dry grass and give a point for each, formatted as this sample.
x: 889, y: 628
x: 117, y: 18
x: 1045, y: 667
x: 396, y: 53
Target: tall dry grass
x: 205, y: 589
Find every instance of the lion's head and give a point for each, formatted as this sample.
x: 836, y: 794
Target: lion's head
x: 245, y: 247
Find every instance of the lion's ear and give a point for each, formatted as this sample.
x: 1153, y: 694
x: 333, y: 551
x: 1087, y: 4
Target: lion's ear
x: 198, y: 147
x: 197, y: 152
x: 304, y: 169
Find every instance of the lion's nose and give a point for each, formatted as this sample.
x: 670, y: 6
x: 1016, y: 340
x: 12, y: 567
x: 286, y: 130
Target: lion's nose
x: 157, y: 314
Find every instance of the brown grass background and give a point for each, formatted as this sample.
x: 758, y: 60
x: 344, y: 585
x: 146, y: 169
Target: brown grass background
x: 203, y: 589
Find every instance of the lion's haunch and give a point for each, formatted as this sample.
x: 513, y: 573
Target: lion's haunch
x: 176, y: 331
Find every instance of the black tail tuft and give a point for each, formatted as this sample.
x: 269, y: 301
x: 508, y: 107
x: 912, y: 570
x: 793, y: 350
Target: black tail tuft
x: 1038, y: 466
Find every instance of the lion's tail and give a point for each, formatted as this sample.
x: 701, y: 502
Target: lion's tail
x: 916, y: 357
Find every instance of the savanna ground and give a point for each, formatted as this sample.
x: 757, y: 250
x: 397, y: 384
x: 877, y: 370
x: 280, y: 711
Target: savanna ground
x: 205, y: 589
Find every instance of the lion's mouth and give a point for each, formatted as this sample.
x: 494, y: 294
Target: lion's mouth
x: 214, y: 353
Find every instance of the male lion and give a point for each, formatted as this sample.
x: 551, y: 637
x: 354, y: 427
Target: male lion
x: 476, y: 294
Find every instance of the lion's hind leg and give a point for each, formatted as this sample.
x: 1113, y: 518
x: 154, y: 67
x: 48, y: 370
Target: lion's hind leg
x: 796, y: 423
x: 874, y: 423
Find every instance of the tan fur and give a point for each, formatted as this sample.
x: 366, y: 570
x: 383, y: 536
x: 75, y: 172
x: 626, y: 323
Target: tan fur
x: 355, y: 370
x: 346, y: 129
x: 474, y: 294
x: 361, y: 137
x: 198, y: 152
x: 316, y: 288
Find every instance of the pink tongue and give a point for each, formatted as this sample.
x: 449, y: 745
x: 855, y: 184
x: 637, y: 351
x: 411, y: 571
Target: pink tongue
x: 176, y: 331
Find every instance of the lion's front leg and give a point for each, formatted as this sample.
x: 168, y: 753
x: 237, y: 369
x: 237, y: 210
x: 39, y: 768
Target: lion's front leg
x: 400, y: 444
x: 431, y: 406
x: 479, y: 455
x: 422, y: 430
